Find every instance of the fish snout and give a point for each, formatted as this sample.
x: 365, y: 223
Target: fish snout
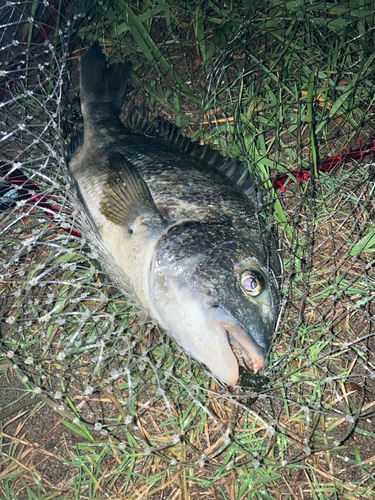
x: 251, y: 356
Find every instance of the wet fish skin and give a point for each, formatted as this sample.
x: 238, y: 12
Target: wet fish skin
x: 182, y: 233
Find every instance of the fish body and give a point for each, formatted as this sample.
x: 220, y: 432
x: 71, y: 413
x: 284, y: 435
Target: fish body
x: 177, y: 220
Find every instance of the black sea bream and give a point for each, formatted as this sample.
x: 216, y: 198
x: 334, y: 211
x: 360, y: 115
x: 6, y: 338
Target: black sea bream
x: 179, y: 221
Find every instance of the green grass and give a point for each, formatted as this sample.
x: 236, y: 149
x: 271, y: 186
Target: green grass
x: 283, y: 89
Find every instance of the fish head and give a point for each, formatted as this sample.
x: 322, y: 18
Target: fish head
x: 214, y: 288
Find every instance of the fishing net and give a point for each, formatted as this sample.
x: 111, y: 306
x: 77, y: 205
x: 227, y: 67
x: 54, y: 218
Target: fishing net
x: 97, y: 404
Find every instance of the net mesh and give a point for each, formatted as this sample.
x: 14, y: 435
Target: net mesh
x: 287, y: 87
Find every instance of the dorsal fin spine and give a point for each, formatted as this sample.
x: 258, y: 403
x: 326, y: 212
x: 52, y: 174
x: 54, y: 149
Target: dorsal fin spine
x: 231, y: 167
x: 221, y: 167
x: 245, y: 174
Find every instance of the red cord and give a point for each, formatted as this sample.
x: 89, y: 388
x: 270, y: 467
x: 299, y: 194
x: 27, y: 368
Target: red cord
x: 282, y: 181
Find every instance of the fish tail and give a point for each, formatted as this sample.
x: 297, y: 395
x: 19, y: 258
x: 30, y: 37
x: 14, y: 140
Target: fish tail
x: 100, y: 83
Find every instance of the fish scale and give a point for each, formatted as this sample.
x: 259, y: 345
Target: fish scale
x: 181, y: 222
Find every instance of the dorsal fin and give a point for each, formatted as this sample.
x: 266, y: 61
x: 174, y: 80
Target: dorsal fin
x: 170, y: 136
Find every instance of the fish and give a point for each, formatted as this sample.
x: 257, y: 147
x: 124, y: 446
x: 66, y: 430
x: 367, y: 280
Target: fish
x: 181, y: 224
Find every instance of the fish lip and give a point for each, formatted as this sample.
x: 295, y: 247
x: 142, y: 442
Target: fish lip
x: 253, y: 355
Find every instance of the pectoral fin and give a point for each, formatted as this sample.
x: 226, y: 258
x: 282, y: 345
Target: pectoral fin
x: 126, y: 195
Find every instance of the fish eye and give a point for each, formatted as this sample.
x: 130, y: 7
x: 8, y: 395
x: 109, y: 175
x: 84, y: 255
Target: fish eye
x: 251, y: 284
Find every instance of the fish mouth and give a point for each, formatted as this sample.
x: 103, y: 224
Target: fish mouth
x: 247, y: 352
